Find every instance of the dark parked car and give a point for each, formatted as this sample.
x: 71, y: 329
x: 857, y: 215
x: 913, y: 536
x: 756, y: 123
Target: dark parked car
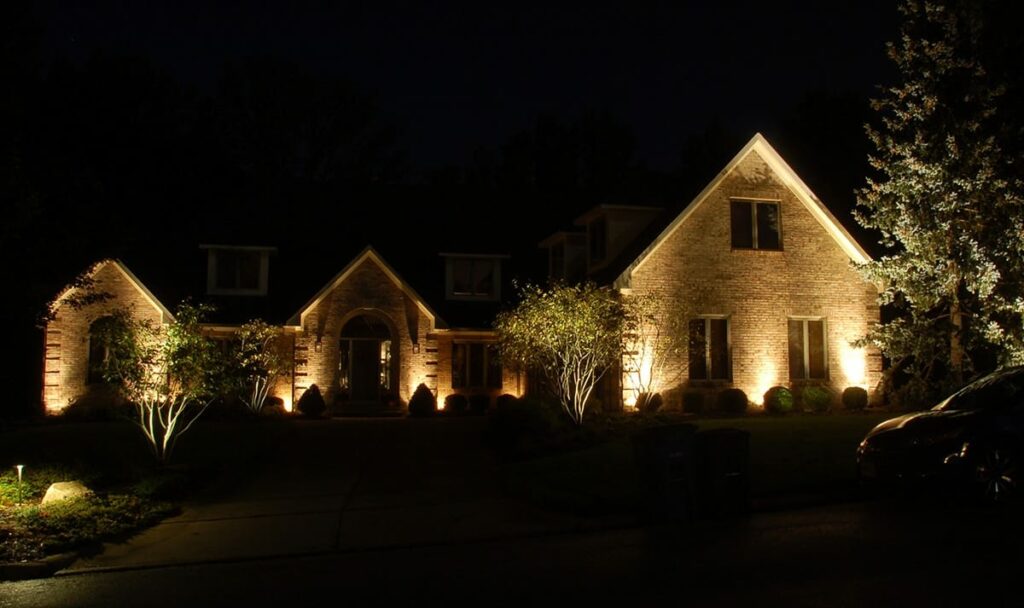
x: 973, y: 438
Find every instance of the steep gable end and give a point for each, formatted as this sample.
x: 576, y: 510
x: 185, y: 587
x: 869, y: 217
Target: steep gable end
x: 367, y: 256
x: 781, y: 171
x: 121, y: 269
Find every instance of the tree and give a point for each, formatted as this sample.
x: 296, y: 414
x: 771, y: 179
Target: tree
x: 654, y: 339
x: 948, y: 215
x: 170, y: 374
x: 260, y: 360
x: 572, y: 334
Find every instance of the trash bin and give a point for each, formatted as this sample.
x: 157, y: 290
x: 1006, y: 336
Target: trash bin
x: 722, y: 463
x: 664, y: 459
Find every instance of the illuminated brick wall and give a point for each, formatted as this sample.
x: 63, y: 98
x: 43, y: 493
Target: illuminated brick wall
x: 367, y: 290
x: 66, y: 352
x: 697, y: 270
x: 512, y: 383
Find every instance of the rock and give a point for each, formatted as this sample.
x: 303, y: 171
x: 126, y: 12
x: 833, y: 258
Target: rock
x: 65, y: 489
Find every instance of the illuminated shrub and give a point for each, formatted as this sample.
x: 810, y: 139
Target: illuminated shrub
x: 478, y: 404
x: 855, y: 398
x: 778, y: 400
x: 816, y: 399
x: 423, y: 403
x: 311, y: 403
x: 456, y: 404
x: 732, y: 401
x: 693, y: 402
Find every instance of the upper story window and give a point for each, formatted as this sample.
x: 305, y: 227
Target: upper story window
x: 473, y: 277
x: 597, y: 234
x: 756, y: 225
x: 237, y: 270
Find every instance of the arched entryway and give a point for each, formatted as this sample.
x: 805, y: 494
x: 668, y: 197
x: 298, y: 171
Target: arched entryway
x: 368, y: 363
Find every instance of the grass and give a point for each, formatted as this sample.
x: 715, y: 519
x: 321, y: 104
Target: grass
x: 111, y: 458
x: 792, y: 454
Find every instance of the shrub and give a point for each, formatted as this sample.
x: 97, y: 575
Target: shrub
x: 855, y: 398
x: 423, y: 402
x: 311, y: 403
x: 504, y: 401
x: 816, y: 399
x: 732, y: 401
x: 778, y: 400
x: 456, y: 404
x: 693, y: 402
x: 516, y: 420
x: 478, y: 404
x: 649, y: 403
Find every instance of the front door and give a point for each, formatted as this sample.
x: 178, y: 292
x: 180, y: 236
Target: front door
x: 365, y: 366
x: 365, y: 372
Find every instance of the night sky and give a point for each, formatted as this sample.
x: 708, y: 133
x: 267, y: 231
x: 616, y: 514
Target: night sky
x: 455, y: 77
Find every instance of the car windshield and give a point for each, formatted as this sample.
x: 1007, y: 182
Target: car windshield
x: 995, y: 390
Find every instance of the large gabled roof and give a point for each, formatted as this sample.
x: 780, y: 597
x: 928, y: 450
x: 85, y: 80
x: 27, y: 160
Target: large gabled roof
x: 89, y: 273
x: 369, y: 254
x: 788, y: 177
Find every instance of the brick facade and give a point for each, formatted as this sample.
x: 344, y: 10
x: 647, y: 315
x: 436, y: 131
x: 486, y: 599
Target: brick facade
x: 696, y: 272
x: 66, y: 350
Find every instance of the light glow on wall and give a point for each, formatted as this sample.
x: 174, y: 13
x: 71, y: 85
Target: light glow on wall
x: 854, y: 364
x: 637, y: 375
x: 440, y: 401
x: 767, y: 377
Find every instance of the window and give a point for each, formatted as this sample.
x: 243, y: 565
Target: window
x: 598, y: 240
x: 709, y: 349
x: 237, y: 270
x: 807, y: 352
x: 475, y: 365
x: 99, y: 349
x: 473, y: 278
x: 755, y: 225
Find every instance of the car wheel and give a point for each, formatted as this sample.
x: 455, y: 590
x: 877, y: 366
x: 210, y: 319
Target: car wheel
x: 994, y: 473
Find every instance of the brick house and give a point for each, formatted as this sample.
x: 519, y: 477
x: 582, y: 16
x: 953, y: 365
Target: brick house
x: 756, y: 271
x: 755, y: 266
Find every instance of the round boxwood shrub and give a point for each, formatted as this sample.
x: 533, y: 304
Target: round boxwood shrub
x: 732, y: 401
x: 456, y: 404
x: 693, y: 402
x: 423, y: 403
x: 816, y: 399
x: 311, y: 403
x: 855, y: 398
x: 778, y: 400
x: 504, y: 401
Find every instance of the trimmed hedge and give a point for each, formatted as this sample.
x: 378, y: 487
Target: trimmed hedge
x: 693, y: 402
x: 855, y: 398
x: 479, y: 404
x: 311, y: 403
x: 422, y: 403
x: 732, y: 401
x: 456, y: 404
x: 816, y: 399
x: 778, y: 400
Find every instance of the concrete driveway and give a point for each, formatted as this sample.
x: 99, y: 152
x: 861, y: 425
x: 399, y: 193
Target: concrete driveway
x: 341, y: 485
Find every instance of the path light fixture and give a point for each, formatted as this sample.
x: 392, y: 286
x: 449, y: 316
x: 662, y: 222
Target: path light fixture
x: 19, y: 468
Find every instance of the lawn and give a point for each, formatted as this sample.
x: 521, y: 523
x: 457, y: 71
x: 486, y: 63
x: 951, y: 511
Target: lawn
x: 789, y: 455
x: 113, y: 460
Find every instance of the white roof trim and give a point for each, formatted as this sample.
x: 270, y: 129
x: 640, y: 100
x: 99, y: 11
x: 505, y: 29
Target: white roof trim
x: 788, y: 177
x: 370, y: 254
x: 165, y: 314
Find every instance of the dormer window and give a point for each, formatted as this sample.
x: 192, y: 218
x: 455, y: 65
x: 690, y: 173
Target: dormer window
x: 234, y: 270
x: 473, y: 277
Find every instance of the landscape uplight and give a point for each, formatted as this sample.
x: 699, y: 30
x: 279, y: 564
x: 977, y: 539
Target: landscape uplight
x: 19, y: 468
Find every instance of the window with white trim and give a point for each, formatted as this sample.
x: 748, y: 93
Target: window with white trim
x: 755, y: 224
x: 808, y: 353
x: 710, y: 357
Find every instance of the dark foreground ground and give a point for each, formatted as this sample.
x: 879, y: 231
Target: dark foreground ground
x: 365, y: 512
